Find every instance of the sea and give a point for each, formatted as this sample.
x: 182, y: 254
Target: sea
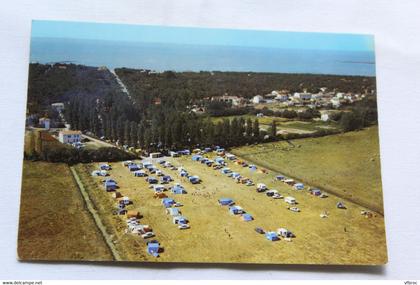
x: 179, y: 57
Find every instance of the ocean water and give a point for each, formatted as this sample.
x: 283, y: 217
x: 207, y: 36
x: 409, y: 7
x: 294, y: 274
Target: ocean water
x: 178, y: 57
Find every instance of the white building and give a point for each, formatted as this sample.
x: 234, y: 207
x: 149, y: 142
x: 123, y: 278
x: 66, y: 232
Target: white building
x: 70, y: 136
x: 45, y: 123
x: 59, y: 107
x: 335, y: 102
x: 305, y: 96
x: 281, y: 97
x: 257, y: 99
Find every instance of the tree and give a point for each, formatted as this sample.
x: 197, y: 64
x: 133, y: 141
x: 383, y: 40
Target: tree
x: 256, y: 129
x: 351, y: 121
x: 249, y: 128
x: 273, y: 129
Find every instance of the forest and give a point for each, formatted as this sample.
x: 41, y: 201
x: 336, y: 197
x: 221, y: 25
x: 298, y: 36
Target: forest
x: 157, y: 115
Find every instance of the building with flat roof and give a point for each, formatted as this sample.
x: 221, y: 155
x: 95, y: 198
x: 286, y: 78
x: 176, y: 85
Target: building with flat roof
x: 70, y: 136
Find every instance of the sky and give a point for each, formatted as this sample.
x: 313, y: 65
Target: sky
x: 202, y: 36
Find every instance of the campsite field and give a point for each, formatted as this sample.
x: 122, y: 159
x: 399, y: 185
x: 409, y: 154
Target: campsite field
x: 54, y: 223
x: 345, y: 237
x: 286, y: 125
x: 345, y: 164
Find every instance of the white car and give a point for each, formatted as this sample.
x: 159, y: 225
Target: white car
x: 183, y: 226
x: 148, y: 235
x: 277, y: 196
x: 294, y: 209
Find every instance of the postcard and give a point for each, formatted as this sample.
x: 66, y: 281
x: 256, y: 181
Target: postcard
x: 198, y: 145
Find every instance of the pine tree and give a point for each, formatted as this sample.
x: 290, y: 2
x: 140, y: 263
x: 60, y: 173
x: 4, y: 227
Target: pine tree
x: 133, y: 134
x: 126, y: 133
x: 256, y: 129
x: 249, y: 129
x: 273, y: 129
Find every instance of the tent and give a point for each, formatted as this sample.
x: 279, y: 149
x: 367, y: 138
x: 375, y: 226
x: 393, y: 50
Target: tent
x: 151, y: 180
x: 165, y: 179
x: 219, y: 160
x: 280, y: 177
x: 194, y: 179
x: 153, y: 249
x: 226, y: 202
x: 271, y: 236
x: 96, y: 173
x: 236, y: 210
x: 226, y: 170
x: 133, y: 167
x: 299, y: 186
x: 168, y: 202
x: 183, y: 173
x: 252, y: 167
x: 178, y: 189
x: 247, y: 217
x: 148, y: 165
x: 133, y: 214
x: 196, y: 157
x: 173, y: 211
x: 139, y: 173
x: 110, y: 186
x: 104, y: 166
x: 207, y: 149
x: 236, y: 175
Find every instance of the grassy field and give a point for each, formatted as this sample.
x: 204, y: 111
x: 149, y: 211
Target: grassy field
x: 54, y: 223
x: 346, y: 164
x: 346, y: 237
x: 286, y: 125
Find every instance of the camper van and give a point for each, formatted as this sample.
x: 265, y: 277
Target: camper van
x: 290, y: 200
x: 261, y: 187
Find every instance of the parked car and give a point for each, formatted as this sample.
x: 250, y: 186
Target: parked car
x: 259, y: 230
x: 294, y: 209
x: 148, y: 235
x: 183, y: 226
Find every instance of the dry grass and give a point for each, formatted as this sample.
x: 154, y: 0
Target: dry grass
x: 54, y: 223
x: 346, y: 164
x: 345, y: 237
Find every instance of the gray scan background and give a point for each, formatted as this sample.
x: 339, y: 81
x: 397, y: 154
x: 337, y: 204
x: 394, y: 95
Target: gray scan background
x: 395, y: 26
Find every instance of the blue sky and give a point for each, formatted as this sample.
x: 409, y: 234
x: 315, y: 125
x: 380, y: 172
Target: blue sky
x: 202, y: 36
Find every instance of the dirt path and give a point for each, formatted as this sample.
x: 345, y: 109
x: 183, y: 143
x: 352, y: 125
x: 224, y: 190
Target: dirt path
x: 95, y: 215
x: 105, y: 144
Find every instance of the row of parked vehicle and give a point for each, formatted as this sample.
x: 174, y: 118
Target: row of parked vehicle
x: 134, y: 225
